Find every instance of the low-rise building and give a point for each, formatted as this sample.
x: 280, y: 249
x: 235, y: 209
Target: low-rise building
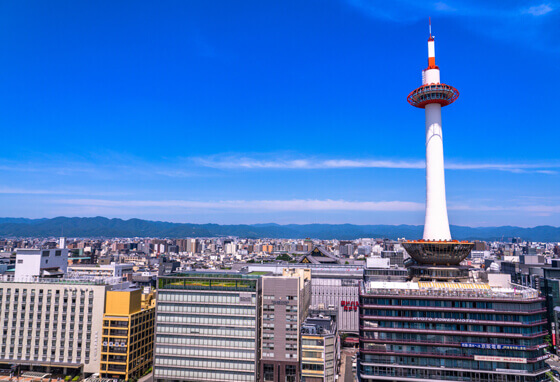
x: 320, y: 350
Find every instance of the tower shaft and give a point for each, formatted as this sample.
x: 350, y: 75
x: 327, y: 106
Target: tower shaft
x: 436, y: 224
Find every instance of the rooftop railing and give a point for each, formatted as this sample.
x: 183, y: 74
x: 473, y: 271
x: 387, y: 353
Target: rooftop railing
x: 517, y: 292
x: 67, y: 279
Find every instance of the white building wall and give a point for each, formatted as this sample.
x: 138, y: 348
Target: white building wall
x: 332, y: 292
x: 52, y: 323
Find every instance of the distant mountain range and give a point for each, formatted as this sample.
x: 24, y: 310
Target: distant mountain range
x: 104, y: 227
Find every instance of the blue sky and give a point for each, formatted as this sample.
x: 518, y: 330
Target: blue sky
x: 268, y: 111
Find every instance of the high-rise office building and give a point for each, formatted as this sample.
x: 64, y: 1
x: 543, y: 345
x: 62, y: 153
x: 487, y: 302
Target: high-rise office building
x: 434, y: 331
x: 207, y: 327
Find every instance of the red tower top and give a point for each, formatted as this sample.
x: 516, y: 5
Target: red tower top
x: 432, y: 91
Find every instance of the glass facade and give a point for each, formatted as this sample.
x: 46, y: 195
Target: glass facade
x: 206, y: 328
x: 415, y: 335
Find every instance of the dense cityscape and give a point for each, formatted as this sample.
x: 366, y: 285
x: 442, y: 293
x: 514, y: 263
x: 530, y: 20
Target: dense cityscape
x: 210, y: 307
x: 239, y: 309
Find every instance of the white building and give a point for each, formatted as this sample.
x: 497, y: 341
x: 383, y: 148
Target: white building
x: 98, y: 270
x: 53, y: 324
x: 40, y: 262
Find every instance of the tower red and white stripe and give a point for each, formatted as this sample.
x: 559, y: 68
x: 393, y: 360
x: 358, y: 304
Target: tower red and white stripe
x: 431, y: 96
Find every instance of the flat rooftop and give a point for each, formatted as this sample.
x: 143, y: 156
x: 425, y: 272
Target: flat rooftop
x: 81, y: 280
x: 449, y: 289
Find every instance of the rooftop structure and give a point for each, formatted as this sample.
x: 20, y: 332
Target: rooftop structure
x: 40, y: 262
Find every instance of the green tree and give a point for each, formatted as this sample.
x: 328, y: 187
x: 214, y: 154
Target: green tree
x: 284, y: 257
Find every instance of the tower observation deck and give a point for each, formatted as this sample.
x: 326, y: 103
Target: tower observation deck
x: 436, y: 246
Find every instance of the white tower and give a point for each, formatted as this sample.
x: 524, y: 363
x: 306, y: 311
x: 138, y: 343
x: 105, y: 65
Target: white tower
x: 431, y: 96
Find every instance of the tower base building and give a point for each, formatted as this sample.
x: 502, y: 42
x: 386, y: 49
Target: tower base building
x: 450, y: 331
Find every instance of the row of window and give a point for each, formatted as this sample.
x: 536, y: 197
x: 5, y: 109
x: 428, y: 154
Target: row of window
x: 445, y: 375
x: 201, y: 352
x: 205, y: 364
x: 455, y: 327
x: 450, y: 363
x: 454, y: 315
x: 497, y: 306
x: 64, y: 355
x: 215, y: 298
x: 214, y: 342
x: 202, y: 375
x: 439, y: 338
x: 166, y: 328
x: 290, y: 373
x: 225, y: 309
x: 202, y: 320
x: 454, y: 351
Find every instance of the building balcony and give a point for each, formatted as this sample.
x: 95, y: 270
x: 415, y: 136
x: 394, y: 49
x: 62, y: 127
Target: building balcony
x: 454, y: 332
x: 423, y: 373
x: 380, y: 351
x: 454, y: 321
x: 454, y: 310
x: 432, y: 343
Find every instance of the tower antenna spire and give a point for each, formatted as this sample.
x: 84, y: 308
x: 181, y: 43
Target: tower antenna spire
x: 430, y: 26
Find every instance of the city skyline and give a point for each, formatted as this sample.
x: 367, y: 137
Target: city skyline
x: 292, y: 113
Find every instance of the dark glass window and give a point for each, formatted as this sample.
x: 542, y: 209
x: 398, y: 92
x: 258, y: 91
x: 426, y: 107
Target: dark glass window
x: 291, y: 373
x: 268, y: 372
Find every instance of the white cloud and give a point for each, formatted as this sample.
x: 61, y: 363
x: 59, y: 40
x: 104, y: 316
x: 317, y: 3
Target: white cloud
x: 539, y: 10
x: 444, y: 7
x: 232, y: 162
x: 33, y: 191
x: 254, y: 205
x: 499, y: 19
x: 312, y: 205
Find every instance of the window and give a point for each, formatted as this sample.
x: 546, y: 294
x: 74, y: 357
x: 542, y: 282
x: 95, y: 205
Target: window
x: 58, y: 253
x: 312, y: 366
x: 45, y: 254
x: 20, y: 261
x: 290, y: 373
x: 268, y: 372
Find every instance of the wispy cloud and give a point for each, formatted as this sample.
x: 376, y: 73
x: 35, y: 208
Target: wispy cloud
x: 312, y: 205
x: 233, y: 162
x: 516, y: 22
x: 539, y: 10
x: 254, y: 205
x: 33, y: 191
